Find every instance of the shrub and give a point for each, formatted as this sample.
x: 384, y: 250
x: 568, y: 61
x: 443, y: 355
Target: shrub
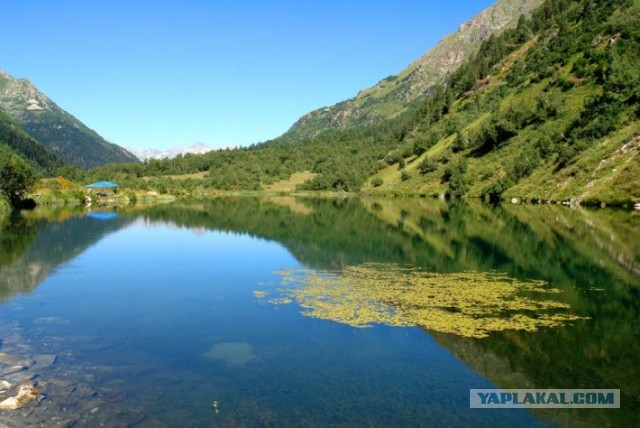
x: 427, y: 165
x: 16, y: 176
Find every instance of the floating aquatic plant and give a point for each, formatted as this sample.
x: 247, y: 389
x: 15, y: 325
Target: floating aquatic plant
x: 280, y: 301
x: 471, y: 304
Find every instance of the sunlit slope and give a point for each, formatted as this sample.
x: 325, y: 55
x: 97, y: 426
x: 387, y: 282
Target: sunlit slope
x: 557, y: 118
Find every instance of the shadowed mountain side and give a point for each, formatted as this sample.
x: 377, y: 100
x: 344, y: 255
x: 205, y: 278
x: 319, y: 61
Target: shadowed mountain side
x: 35, y: 247
x: 22, y: 143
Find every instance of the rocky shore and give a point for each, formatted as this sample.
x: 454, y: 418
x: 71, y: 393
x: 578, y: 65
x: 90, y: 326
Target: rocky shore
x: 36, y: 392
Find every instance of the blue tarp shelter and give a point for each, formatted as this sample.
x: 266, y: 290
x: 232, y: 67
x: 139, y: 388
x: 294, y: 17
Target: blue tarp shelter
x: 101, y: 184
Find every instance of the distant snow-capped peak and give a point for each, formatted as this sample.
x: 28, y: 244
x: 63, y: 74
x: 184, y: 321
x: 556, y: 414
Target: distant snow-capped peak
x: 170, y: 153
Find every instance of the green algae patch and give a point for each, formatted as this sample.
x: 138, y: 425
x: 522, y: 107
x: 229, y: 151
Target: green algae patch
x: 470, y: 304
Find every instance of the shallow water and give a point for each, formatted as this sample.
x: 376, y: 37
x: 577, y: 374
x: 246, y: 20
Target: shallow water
x: 154, y: 318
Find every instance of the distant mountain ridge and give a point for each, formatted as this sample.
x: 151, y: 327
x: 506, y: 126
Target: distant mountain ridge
x: 64, y: 135
x: 170, y: 153
x: 396, y: 94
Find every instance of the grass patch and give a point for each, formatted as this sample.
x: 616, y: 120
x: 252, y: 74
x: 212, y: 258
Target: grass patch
x: 289, y: 185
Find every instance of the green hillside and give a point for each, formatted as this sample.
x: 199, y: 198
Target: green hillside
x: 547, y: 111
x: 60, y: 132
x: 22, y: 161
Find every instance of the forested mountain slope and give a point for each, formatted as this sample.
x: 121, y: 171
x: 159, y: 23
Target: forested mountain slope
x: 547, y: 111
x: 12, y: 135
x: 60, y: 132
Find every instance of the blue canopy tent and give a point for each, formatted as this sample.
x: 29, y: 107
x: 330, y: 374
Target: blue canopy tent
x: 101, y: 185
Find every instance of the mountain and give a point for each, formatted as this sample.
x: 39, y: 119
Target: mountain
x: 548, y: 111
x: 24, y: 145
x: 397, y: 94
x: 60, y: 132
x: 170, y: 153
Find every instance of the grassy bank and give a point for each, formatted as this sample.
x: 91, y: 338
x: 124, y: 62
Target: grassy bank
x: 60, y: 191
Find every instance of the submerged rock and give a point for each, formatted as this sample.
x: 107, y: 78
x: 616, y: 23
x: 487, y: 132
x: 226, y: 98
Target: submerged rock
x: 26, y: 393
x: 231, y: 353
x: 10, y: 359
x: 44, y: 361
x: 13, y: 369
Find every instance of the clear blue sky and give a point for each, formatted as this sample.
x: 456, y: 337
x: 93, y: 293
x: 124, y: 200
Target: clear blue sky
x: 161, y: 73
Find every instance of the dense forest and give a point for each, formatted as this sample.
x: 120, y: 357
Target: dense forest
x: 22, y: 161
x: 12, y: 135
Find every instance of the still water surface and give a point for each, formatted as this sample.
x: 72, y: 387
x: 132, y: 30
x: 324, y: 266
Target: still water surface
x: 163, y: 316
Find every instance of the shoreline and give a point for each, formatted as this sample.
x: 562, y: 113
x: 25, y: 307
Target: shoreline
x: 130, y: 198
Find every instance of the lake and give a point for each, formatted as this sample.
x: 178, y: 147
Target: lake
x: 316, y: 312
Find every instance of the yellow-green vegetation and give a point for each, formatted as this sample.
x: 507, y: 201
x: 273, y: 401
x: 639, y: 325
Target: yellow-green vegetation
x: 471, y: 304
x: 58, y: 190
x: 280, y: 301
x: 606, y: 173
x: 194, y: 176
x: 290, y: 184
x: 61, y: 191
